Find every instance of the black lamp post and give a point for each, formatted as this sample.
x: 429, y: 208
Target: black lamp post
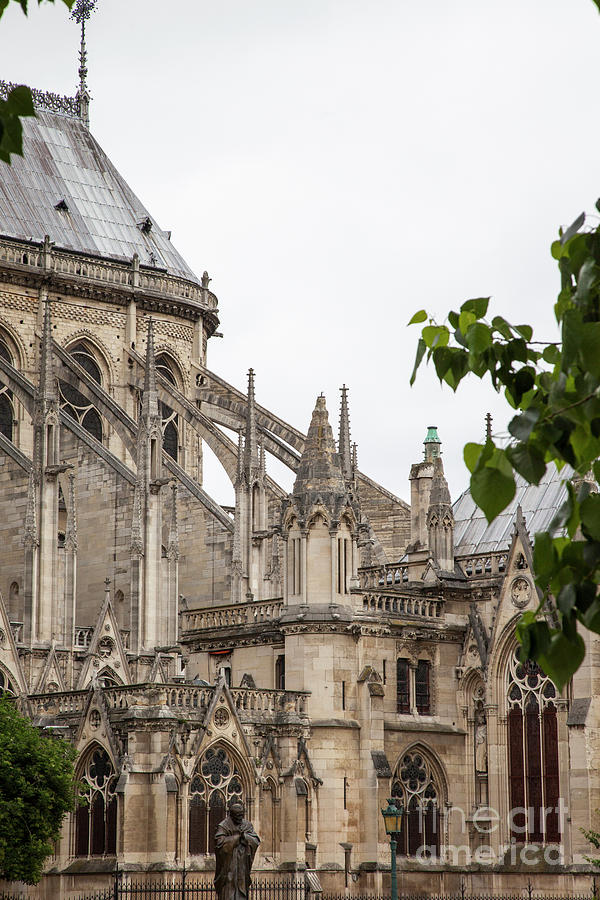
x: 392, y: 816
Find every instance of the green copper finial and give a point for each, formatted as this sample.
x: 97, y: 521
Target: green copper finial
x: 432, y: 443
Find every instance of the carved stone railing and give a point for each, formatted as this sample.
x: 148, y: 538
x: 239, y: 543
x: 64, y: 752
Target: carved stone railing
x: 57, y: 704
x: 177, y: 697
x: 229, y: 616
x: 484, y: 564
x: 383, y: 576
x: 132, y: 276
x: 57, y: 103
x: 376, y: 603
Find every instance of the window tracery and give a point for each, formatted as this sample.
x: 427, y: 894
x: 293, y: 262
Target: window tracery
x: 73, y: 401
x: 96, y: 818
x: 6, y: 685
x: 532, y: 752
x: 215, y: 783
x: 7, y: 411
x: 170, y: 419
x: 415, y: 786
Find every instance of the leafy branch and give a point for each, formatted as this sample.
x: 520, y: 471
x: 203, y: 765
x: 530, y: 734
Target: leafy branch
x: 555, y: 392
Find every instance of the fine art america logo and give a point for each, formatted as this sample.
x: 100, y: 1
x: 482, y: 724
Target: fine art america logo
x: 526, y: 846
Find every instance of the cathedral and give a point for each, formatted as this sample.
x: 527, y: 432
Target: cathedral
x: 313, y: 653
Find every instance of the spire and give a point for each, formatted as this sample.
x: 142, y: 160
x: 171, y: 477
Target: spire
x: 47, y: 386
x: 80, y: 13
x: 433, y: 445
x: 319, y: 468
x: 251, y: 450
x: 354, y: 459
x: 440, y: 494
x: 150, y: 399
x: 488, y: 427
x: 344, y: 446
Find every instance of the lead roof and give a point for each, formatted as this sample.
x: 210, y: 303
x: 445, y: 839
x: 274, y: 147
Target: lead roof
x: 63, y: 162
x: 539, y: 504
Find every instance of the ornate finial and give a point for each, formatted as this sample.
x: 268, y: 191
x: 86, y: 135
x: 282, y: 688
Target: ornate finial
x: 205, y: 279
x: 488, y: 427
x: 344, y: 445
x: 251, y: 460
x: 80, y: 13
x: 71, y: 530
x: 107, y: 588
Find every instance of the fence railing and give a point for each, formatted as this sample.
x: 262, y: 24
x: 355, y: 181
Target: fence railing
x: 183, y: 887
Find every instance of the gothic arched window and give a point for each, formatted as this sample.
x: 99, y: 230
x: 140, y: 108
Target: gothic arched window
x: 532, y: 753
x: 6, y: 685
x: 414, y: 786
x: 73, y: 401
x: 216, y: 782
x: 402, y: 686
x: 7, y: 411
x: 96, y: 818
x: 170, y: 419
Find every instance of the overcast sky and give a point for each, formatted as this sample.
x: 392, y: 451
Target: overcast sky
x: 337, y: 165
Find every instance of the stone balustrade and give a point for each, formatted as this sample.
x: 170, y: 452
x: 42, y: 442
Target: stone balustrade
x: 230, y: 616
x: 177, y: 697
x: 484, y: 564
x: 376, y: 603
x: 383, y: 576
x: 117, y: 274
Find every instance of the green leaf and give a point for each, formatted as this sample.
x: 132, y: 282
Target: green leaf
x: 522, y: 426
x: 573, y: 228
x: 589, y: 511
x: 551, y: 354
x: 420, y: 316
x: 435, y: 335
x: 562, y: 658
x: 421, y: 348
x: 528, y: 462
x: 466, y: 319
x: 478, y: 306
x: 493, y: 484
x: 502, y: 327
x: 526, y: 331
x: 20, y: 101
x: 478, y: 337
x: 471, y: 454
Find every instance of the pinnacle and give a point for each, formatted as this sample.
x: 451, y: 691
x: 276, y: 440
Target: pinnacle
x: 319, y: 468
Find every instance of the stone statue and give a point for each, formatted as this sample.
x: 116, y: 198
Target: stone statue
x: 235, y: 844
x: 481, y: 761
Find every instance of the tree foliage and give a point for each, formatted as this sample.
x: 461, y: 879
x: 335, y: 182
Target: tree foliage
x: 18, y: 104
x: 554, y: 387
x: 594, y: 838
x: 37, y: 789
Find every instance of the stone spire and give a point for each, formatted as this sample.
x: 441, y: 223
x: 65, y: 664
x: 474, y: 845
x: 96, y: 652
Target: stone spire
x: 150, y: 398
x: 440, y: 519
x: 80, y: 13
x: 319, y: 470
x: 488, y: 427
x: 251, y: 460
x: 47, y: 389
x: 344, y: 445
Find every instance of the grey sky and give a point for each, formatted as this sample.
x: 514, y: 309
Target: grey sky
x: 338, y: 165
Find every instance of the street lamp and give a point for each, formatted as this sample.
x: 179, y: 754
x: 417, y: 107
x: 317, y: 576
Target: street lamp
x: 392, y: 816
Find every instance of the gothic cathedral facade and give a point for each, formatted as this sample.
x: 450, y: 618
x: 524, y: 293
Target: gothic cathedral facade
x: 313, y: 653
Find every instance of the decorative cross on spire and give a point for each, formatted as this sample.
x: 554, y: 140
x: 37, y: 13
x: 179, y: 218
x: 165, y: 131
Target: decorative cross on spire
x: 488, y: 427
x: 81, y: 11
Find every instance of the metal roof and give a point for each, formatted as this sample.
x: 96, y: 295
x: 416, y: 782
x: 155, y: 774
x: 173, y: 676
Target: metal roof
x: 539, y: 503
x: 63, y: 162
